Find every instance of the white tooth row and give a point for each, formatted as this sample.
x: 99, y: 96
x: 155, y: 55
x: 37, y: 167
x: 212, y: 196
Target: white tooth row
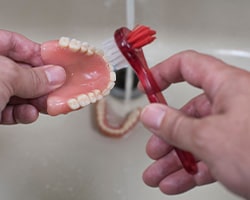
x: 85, y: 99
x: 92, y: 97
x: 76, y: 45
x: 112, y: 79
x: 102, y: 121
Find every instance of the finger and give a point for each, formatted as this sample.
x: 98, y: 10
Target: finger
x: 157, y: 147
x: 176, y: 128
x: 24, y: 114
x: 19, y: 48
x: 39, y: 103
x: 168, y: 174
x: 180, y: 181
x: 35, y: 82
x: 17, y: 101
x: 199, y: 106
x: 200, y: 70
x: 161, y: 168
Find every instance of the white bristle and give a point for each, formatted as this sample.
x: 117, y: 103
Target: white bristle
x: 113, y: 54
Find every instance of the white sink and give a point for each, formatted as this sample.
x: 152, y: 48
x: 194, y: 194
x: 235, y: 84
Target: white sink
x: 65, y: 157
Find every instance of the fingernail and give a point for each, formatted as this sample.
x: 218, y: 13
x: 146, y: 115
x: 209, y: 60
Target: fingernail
x: 56, y: 75
x: 152, y: 116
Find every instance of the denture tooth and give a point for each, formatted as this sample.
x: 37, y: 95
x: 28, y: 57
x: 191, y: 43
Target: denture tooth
x: 135, y: 114
x: 131, y: 121
x: 73, y: 104
x: 91, y: 50
x: 112, y: 76
x: 92, y: 97
x: 84, y: 47
x: 75, y: 45
x: 111, y: 68
x: 111, y: 85
x: 116, y: 131
x: 98, y: 94
x: 99, y: 52
x: 106, y: 92
x: 83, y: 100
x: 100, y: 108
x: 119, y: 129
x: 64, y: 41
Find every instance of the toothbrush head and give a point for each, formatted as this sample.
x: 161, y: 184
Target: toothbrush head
x: 114, y: 55
x: 130, y: 44
x: 126, y: 41
x: 134, y: 56
x: 141, y: 36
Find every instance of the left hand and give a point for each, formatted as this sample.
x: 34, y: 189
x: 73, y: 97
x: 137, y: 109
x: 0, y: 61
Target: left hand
x: 24, y: 80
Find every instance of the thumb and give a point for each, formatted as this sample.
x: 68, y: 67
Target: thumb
x: 38, y: 81
x: 171, y: 125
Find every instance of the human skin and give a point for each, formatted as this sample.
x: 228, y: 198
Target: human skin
x: 24, y: 79
x: 214, y: 126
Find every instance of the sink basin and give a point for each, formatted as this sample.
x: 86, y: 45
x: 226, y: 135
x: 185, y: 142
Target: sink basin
x: 65, y: 157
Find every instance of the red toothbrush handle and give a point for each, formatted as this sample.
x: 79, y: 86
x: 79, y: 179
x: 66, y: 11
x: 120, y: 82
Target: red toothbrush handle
x: 155, y: 96
x: 137, y: 60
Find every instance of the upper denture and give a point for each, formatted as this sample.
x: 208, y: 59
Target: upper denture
x: 89, y: 76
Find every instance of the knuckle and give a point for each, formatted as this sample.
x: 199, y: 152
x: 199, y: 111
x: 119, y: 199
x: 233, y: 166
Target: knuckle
x: 189, y: 52
x: 175, y: 129
x: 197, y: 134
x: 9, y: 74
x: 36, y: 82
x: 201, y: 137
x: 31, y: 84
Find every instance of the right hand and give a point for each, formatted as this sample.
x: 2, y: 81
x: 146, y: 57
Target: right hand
x: 215, y: 126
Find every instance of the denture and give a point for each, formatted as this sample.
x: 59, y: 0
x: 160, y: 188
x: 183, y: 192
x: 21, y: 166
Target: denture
x: 114, y: 127
x: 89, y: 76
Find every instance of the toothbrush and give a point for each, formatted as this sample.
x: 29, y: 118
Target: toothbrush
x: 126, y: 48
